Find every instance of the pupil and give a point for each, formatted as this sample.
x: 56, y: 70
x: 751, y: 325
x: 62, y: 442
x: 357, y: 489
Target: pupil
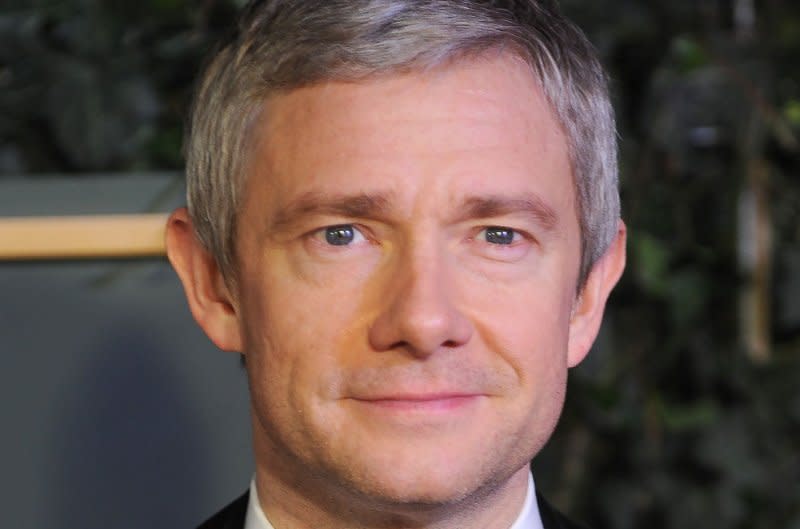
x: 339, y: 235
x: 496, y: 235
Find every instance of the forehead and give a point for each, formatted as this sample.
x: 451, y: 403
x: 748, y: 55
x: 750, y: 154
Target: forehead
x: 467, y: 126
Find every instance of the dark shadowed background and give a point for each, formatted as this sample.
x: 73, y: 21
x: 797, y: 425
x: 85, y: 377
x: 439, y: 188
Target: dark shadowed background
x: 117, y: 412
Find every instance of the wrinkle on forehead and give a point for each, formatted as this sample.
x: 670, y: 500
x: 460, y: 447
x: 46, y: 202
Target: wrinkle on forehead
x: 439, y: 96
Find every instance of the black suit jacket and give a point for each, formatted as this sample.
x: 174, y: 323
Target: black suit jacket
x: 232, y: 516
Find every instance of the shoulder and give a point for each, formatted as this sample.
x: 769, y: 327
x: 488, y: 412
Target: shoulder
x: 552, y: 519
x: 231, y: 517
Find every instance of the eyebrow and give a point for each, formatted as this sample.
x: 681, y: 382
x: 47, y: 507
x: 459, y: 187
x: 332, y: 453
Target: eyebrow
x: 361, y: 205
x: 498, y: 205
x: 378, y: 205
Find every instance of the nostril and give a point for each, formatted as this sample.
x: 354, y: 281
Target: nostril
x: 398, y: 346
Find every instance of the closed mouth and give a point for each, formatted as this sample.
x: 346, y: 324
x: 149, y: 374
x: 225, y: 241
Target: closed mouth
x: 423, y: 402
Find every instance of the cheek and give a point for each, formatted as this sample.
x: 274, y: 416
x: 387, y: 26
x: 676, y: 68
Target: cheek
x: 528, y: 332
x: 528, y: 328
x: 295, y: 336
x: 531, y: 318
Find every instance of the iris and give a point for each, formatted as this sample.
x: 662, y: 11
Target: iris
x: 340, y: 235
x: 499, y: 235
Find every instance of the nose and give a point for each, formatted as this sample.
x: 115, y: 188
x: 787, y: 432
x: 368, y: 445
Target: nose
x: 418, y: 314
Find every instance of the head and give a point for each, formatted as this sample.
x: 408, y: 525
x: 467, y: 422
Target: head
x: 404, y: 214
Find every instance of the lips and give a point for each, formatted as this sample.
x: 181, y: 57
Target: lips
x: 420, y: 402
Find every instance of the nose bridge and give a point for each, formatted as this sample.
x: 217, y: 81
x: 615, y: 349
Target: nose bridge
x: 424, y: 288
x: 419, y: 311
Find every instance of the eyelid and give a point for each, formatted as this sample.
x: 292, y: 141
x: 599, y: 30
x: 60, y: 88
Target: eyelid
x: 521, y: 246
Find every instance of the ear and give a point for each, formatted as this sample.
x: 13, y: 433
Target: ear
x: 587, y: 314
x: 209, y: 299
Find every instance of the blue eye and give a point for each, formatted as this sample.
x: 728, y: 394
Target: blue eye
x: 499, y: 235
x: 341, y: 235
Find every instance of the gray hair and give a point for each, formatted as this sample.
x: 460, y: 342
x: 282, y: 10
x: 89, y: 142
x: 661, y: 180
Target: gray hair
x: 285, y: 44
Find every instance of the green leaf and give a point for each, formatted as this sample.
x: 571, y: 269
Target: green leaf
x: 651, y: 257
x: 689, y: 54
x: 792, y: 112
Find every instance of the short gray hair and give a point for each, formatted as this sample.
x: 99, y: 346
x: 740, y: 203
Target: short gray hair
x: 285, y: 44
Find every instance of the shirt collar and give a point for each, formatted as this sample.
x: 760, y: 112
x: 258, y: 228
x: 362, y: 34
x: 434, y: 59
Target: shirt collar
x: 255, y: 518
x: 528, y: 518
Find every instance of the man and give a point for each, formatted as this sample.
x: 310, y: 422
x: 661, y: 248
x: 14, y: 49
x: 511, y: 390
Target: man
x: 404, y: 214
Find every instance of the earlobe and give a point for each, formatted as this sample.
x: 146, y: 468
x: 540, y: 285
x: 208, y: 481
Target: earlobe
x: 209, y: 298
x: 590, y: 305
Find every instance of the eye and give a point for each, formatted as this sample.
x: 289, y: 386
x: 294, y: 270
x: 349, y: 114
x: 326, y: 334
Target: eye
x: 499, y: 235
x: 341, y: 234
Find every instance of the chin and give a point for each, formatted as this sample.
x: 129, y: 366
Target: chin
x: 419, y: 479
x: 417, y: 493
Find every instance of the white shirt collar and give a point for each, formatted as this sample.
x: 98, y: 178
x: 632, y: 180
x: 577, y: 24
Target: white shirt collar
x: 255, y: 518
x: 528, y: 518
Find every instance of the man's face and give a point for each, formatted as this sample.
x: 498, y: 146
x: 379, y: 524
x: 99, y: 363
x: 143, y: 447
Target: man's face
x: 408, y: 253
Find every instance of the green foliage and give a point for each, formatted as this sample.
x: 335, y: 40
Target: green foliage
x: 791, y: 111
x: 690, y: 54
x: 684, y: 429
x: 88, y: 85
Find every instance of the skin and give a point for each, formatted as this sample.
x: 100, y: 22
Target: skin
x: 405, y: 379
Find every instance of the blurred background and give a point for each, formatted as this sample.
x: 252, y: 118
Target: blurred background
x: 117, y: 412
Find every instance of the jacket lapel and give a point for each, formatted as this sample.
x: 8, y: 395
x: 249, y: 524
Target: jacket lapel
x: 231, y: 517
x: 551, y: 518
